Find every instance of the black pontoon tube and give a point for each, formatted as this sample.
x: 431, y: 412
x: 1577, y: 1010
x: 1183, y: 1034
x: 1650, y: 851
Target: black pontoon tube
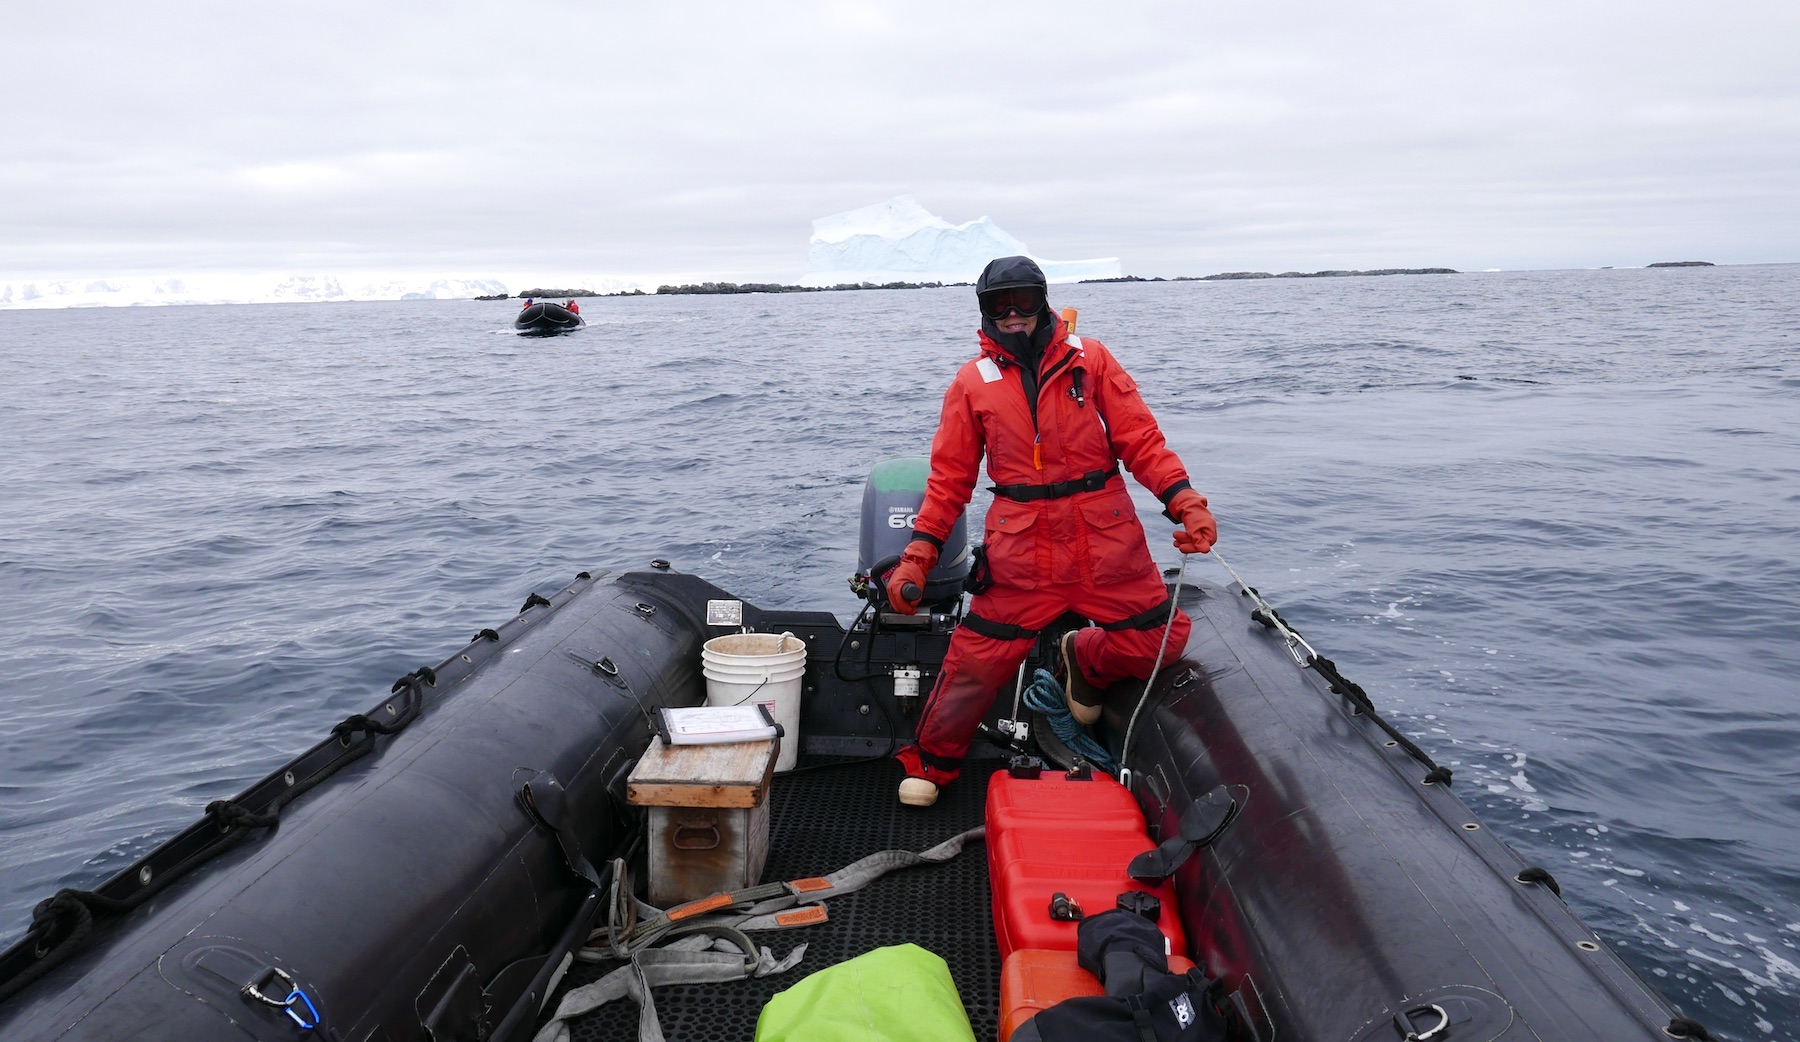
x: 433, y: 885
x: 1350, y: 888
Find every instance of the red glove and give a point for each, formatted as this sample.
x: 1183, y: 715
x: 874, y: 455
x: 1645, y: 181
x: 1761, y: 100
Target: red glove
x: 1198, y: 529
x: 915, y: 564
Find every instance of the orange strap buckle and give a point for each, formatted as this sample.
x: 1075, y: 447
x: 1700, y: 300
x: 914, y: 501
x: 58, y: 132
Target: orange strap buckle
x: 807, y: 916
x: 700, y: 907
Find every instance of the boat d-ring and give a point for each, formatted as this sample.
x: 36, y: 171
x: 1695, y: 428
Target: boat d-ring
x: 292, y: 1005
x: 1410, y: 1032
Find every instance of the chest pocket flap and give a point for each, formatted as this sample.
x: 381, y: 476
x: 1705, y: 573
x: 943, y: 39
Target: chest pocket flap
x: 1106, y: 513
x: 1122, y: 382
x: 1011, y: 519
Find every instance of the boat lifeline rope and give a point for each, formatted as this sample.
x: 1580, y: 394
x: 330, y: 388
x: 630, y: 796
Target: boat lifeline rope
x: 1131, y: 725
x: 710, y: 943
x: 1308, y: 658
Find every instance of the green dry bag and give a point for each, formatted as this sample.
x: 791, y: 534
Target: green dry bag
x: 898, y: 994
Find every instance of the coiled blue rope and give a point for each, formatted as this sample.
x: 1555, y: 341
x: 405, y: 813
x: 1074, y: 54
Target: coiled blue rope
x: 1045, y: 696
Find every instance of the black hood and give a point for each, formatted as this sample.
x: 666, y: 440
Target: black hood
x: 1012, y: 273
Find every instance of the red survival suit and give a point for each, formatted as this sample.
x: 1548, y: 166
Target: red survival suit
x: 1062, y: 534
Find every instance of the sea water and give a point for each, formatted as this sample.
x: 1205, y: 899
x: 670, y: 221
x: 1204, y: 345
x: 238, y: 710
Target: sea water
x: 1548, y: 520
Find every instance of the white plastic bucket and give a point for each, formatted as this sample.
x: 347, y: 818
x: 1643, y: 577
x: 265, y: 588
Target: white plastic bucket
x: 741, y: 668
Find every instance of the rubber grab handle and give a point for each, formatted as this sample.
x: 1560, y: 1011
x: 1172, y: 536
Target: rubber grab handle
x: 911, y: 592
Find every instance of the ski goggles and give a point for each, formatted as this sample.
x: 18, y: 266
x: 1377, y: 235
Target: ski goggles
x: 1026, y: 300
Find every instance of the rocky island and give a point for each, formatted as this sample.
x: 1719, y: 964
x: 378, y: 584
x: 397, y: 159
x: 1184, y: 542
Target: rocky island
x: 1233, y: 275
x: 726, y: 288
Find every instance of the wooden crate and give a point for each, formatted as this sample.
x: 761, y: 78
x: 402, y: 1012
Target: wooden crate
x: 709, y: 816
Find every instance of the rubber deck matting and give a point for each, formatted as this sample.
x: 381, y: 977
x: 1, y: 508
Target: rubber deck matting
x: 820, y: 821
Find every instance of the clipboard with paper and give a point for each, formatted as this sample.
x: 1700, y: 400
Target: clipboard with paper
x: 716, y: 725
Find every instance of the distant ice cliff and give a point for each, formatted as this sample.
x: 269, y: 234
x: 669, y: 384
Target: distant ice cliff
x: 234, y: 289
x: 901, y: 241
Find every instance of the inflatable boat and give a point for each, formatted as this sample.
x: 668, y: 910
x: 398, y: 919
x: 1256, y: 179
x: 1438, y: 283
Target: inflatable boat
x: 545, y: 319
x: 440, y: 866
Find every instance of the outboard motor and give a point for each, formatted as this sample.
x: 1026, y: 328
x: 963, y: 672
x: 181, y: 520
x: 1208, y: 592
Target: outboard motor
x: 891, y: 500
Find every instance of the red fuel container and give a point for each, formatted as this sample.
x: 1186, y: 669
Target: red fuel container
x: 1074, y: 843
x: 1052, y: 802
x: 1091, y: 872
x: 1050, y: 835
x: 1051, y: 798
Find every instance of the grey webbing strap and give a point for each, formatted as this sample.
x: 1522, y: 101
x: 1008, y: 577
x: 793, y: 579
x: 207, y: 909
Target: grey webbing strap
x: 700, y: 958
x: 649, y: 923
x: 755, y: 908
x: 855, y: 876
x: 695, y: 959
x: 862, y: 872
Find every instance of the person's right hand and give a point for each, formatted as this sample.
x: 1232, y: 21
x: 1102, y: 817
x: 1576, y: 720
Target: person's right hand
x: 1198, y: 530
x: 915, y: 564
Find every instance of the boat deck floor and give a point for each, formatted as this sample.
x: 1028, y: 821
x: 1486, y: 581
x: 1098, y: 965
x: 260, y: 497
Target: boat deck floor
x: 820, y: 821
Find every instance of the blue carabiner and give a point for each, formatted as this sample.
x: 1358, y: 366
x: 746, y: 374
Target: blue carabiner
x: 311, y: 1010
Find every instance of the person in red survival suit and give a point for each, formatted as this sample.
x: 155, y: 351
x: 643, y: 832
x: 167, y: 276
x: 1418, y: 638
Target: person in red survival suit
x: 1055, y: 415
x: 574, y: 308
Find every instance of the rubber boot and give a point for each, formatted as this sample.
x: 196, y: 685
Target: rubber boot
x: 918, y: 792
x: 1076, y: 690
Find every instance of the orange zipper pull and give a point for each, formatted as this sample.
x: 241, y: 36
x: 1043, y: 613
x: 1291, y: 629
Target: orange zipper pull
x: 1037, y: 452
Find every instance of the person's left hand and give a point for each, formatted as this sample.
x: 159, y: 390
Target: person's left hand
x: 1198, y: 530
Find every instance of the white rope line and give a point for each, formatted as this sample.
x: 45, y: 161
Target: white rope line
x: 1131, y: 725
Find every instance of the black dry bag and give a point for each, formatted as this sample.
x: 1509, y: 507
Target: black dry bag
x: 1174, y: 1008
x: 1144, y: 1002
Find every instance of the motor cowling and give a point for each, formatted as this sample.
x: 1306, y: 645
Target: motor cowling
x: 892, y: 496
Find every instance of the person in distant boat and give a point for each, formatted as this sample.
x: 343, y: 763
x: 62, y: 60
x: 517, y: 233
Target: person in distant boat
x: 528, y: 302
x: 1054, y: 415
x: 574, y: 308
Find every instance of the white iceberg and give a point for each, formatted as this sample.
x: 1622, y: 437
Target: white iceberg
x: 901, y: 241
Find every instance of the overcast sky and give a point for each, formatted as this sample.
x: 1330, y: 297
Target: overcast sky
x: 588, y: 140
